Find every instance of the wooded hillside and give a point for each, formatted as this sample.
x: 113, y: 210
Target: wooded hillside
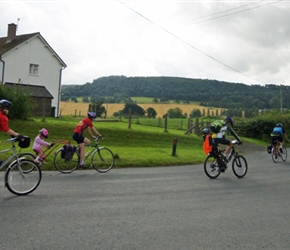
x: 113, y: 89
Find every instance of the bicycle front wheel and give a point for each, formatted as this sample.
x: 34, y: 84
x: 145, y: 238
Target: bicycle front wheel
x: 28, y: 156
x: 240, y: 166
x: 211, y: 167
x: 283, y: 155
x: 103, y: 160
x: 66, y: 166
x: 23, y: 178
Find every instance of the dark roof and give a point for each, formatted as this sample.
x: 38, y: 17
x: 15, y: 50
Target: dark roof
x: 35, y: 90
x: 19, y: 40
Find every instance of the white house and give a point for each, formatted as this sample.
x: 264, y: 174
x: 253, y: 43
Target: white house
x: 29, y: 60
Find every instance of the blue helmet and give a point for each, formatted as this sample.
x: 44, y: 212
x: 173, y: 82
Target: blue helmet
x: 280, y: 125
x: 92, y: 115
x: 5, y: 103
x: 229, y: 120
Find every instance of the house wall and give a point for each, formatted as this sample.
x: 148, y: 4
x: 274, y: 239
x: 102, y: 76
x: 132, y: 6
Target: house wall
x: 34, y: 51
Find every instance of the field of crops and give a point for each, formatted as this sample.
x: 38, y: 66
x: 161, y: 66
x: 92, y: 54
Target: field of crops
x: 80, y: 109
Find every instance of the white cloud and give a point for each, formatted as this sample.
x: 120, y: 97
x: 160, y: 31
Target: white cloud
x: 198, y: 39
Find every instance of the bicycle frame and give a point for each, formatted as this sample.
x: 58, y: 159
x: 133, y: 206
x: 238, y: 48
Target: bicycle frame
x: 13, y: 156
x: 49, y: 150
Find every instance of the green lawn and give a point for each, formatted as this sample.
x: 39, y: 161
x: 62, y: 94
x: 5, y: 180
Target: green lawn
x: 140, y: 146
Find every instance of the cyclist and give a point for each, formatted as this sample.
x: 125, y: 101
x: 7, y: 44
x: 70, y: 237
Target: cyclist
x: 219, y: 135
x: 277, y: 135
x: 4, y: 121
x: 39, y: 142
x: 78, y: 136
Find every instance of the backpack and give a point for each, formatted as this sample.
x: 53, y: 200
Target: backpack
x: 68, y: 151
x: 207, y: 144
x: 216, y: 126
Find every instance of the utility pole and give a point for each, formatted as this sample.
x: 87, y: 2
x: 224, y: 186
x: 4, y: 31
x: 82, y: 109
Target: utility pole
x: 281, y: 99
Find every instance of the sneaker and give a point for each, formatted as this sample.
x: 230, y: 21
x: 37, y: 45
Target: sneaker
x: 276, y: 156
x: 281, y: 150
x: 83, y: 166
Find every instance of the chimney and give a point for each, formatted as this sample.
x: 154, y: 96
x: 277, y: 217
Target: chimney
x: 11, y: 32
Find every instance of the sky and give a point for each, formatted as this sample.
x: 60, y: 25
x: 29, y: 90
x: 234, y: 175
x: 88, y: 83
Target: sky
x: 233, y: 41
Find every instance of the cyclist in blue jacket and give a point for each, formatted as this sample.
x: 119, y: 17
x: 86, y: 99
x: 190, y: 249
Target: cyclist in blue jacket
x: 278, y: 133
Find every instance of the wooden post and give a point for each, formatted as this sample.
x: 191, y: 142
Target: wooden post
x: 129, y: 119
x: 174, y: 147
x: 166, y: 117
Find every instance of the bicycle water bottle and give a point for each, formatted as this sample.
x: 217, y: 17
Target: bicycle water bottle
x: 87, y: 154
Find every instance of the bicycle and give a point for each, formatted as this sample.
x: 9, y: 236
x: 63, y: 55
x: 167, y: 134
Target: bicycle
x: 102, y: 158
x: 216, y: 163
x: 278, y: 152
x: 64, y: 166
x: 17, y: 179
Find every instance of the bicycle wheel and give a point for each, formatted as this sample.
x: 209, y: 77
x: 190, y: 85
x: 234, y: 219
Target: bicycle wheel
x: 28, y: 156
x: 103, y: 160
x: 283, y: 155
x: 240, y: 166
x: 274, y: 155
x: 211, y: 167
x: 66, y: 166
x: 23, y: 178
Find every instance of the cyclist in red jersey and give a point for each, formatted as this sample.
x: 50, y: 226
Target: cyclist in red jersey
x: 78, y: 136
x: 4, y: 110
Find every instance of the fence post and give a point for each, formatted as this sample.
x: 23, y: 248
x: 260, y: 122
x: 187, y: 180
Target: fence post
x: 174, y: 147
x: 129, y: 119
x: 166, y: 117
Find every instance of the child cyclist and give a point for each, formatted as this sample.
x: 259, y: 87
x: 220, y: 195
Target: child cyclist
x: 78, y: 136
x: 39, y: 142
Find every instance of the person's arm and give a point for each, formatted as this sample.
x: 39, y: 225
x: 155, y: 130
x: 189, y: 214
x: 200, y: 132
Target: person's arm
x: 230, y: 129
x: 94, y: 130
x: 286, y: 136
x: 11, y: 132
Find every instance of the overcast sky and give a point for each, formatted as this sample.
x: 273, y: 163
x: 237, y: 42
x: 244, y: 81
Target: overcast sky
x: 234, y: 41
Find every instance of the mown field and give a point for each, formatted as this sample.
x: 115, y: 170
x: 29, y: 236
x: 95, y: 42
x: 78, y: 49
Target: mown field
x: 80, y: 109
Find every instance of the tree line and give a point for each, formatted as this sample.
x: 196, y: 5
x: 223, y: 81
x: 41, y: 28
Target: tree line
x: 236, y: 97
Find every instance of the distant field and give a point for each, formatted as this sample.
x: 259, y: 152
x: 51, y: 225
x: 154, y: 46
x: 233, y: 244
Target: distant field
x: 80, y: 109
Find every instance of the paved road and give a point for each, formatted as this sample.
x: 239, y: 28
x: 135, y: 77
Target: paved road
x: 152, y: 208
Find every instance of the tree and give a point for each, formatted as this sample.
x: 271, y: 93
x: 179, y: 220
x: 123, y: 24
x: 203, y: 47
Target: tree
x: 195, y: 113
x: 151, y: 112
x: 175, y: 113
x: 98, y: 108
x: 135, y: 109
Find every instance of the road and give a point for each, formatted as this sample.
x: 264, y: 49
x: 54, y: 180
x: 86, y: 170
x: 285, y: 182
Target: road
x: 152, y: 208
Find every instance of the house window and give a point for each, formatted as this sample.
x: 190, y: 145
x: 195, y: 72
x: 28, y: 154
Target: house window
x: 33, y: 69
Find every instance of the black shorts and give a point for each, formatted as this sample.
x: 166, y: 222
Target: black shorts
x: 221, y: 141
x: 79, y: 138
x: 277, y: 138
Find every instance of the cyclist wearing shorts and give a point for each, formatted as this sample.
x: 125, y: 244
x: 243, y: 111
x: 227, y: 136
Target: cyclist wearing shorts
x: 78, y: 136
x: 4, y: 110
x: 219, y: 137
x: 278, y: 133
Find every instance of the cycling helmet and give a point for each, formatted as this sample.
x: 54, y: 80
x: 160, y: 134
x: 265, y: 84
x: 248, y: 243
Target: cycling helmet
x: 280, y: 125
x: 229, y: 120
x: 44, y: 132
x: 205, y: 131
x: 92, y: 115
x: 5, y: 103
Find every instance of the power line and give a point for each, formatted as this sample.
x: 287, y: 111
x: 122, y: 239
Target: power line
x: 190, y: 45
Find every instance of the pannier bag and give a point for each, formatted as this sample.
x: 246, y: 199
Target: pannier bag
x: 24, y: 142
x: 207, y: 144
x: 269, y: 148
x: 68, y: 152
